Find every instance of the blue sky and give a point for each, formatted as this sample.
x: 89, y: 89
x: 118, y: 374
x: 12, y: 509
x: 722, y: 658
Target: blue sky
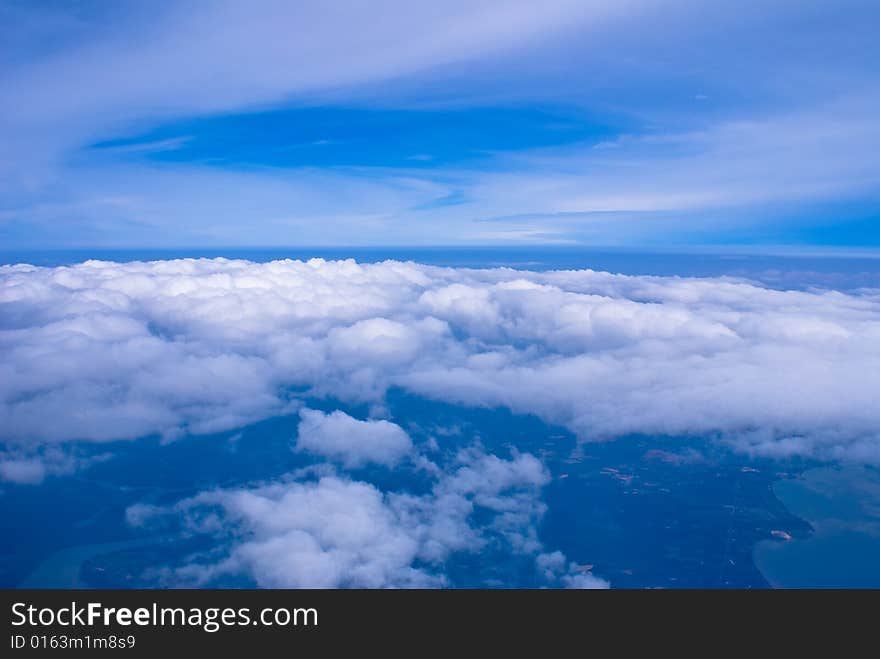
x: 630, y: 123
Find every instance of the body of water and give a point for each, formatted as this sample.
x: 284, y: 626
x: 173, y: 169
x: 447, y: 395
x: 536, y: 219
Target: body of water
x: 843, y: 507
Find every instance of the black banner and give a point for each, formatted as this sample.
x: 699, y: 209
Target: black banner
x: 145, y: 622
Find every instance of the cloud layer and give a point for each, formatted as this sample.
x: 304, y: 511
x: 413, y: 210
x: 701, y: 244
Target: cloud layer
x: 106, y: 351
x: 102, y: 351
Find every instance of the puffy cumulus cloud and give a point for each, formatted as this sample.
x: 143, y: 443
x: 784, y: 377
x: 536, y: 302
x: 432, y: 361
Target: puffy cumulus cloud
x: 554, y: 567
x: 336, y: 532
x: 102, y: 351
x: 323, y: 534
x: 351, y: 441
x: 508, y: 489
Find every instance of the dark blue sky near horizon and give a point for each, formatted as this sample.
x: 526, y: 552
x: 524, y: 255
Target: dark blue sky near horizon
x: 833, y: 269
x: 491, y: 123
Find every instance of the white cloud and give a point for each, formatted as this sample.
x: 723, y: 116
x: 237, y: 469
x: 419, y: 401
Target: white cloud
x: 793, y: 156
x: 31, y: 465
x: 28, y: 470
x: 583, y: 581
x: 103, y: 351
x: 353, y: 442
x: 324, y: 534
x: 188, y: 59
x: 335, y: 532
x: 181, y: 61
x: 557, y: 569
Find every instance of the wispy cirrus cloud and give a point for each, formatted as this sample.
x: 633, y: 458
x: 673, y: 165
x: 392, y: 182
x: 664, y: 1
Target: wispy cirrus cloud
x: 729, y: 113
